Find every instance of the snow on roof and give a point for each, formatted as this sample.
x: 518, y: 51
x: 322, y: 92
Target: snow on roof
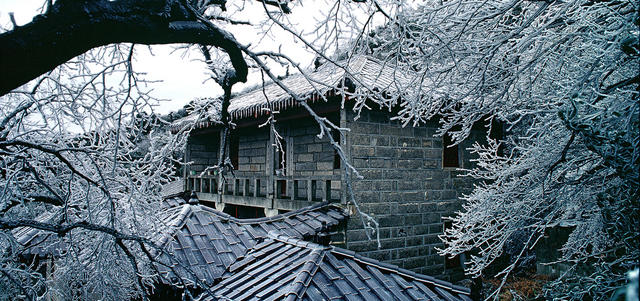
x: 367, y: 73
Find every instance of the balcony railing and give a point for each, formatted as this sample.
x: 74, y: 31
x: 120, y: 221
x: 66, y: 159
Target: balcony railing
x: 278, y: 192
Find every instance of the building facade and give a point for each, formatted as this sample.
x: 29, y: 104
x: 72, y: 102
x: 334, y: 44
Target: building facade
x: 410, y: 177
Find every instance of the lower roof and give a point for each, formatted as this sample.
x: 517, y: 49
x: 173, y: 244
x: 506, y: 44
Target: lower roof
x: 285, y: 268
x: 268, y: 258
x: 206, y: 241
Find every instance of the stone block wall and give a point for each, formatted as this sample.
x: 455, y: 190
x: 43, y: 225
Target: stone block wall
x: 308, y: 155
x: 202, y: 150
x: 312, y: 156
x: 405, y: 188
x: 252, y: 151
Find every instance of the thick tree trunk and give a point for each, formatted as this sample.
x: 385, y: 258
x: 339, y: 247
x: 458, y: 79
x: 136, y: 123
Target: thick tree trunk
x: 73, y: 27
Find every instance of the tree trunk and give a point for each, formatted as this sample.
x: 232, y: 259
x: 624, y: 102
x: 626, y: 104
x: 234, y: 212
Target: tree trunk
x: 72, y: 27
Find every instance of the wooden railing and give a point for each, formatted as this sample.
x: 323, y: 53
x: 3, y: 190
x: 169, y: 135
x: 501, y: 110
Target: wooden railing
x: 310, y: 189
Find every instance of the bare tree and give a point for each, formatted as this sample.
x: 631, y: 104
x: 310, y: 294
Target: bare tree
x: 563, y: 78
x: 86, y: 152
x: 83, y: 157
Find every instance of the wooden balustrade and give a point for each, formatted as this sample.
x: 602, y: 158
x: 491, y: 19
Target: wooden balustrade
x: 309, y: 189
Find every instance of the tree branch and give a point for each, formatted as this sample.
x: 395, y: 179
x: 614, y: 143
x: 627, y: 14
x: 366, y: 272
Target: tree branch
x: 58, y: 154
x: 34, y: 198
x: 64, y: 229
x: 71, y: 28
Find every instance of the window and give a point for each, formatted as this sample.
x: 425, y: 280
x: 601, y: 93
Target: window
x: 280, y: 167
x: 335, y: 135
x: 234, y: 149
x: 243, y: 212
x: 450, y: 154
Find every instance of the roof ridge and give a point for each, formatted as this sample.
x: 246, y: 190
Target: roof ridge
x: 303, y: 279
x: 275, y: 235
x: 401, y: 271
x: 176, y: 225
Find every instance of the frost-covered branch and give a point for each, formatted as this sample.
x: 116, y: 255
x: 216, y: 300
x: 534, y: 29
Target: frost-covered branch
x: 562, y: 78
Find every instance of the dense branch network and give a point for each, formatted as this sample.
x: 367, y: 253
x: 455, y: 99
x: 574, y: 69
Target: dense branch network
x: 562, y: 79
x: 78, y: 142
x: 558, y: 76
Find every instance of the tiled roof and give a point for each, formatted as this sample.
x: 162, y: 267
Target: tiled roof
x: 172, y: 188
x: 267, y: 258
x: 284, y: 268
x: 39, y: 242
x: 199, y: 235
x: 44, y: 243
x: 365, y: 72
x: 208, y: 241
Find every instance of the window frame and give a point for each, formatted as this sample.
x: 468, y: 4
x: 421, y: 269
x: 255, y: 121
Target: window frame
x: 448, y: 149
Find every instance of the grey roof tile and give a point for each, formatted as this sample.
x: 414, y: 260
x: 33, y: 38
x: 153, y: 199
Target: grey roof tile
x: 299, y: 270
x: 353, y: 297
x: 214, y: 246
x: 172, y: 189
x: 215, y: 242
x: 330, y: 272
x: 445, y: 294
x: 325, y: 285
x: 426, y: 291
x: 356, y: 268
x: 313, y: 293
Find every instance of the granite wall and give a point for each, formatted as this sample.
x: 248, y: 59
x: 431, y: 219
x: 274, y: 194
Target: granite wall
x: 406, y: 189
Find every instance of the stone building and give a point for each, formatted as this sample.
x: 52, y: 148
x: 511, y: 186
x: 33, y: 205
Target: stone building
x: 410, y: 177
